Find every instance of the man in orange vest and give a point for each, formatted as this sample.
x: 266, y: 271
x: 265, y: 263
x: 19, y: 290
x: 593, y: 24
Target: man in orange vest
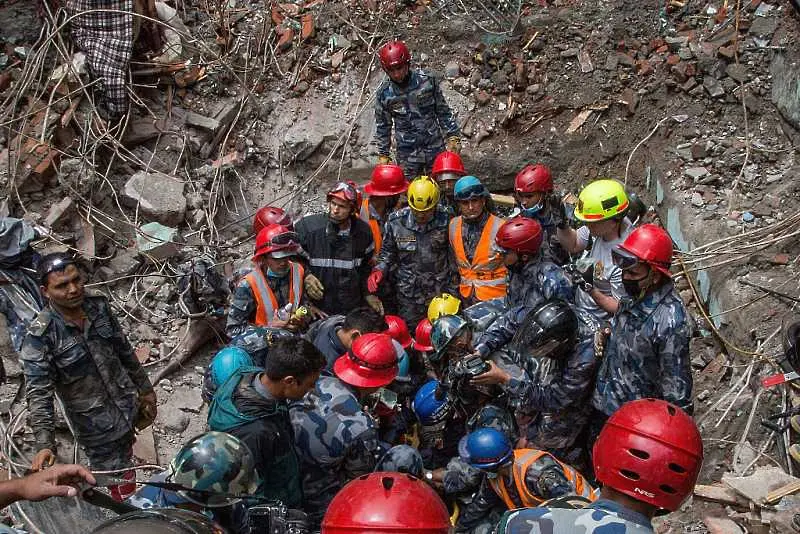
x: 275, y: 284
x: 520, y: 478
x: 472, y: 241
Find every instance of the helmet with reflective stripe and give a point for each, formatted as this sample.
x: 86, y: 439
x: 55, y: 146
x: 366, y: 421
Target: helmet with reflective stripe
x: 444, y: 304
x: 276, y: 240
x: 393, y: 54
x: 384, y: 503
x: 468, y: 187
x: 650, y: 244
x: 520, y: 234
x: 486, y: 449
x: 386, y: 180
x: 448, y: 162
x: 398, y: 330
x: 651, y: 451
x: 431, y: 408
x: 370, y: 362
x: 226, y: 362
x: 423, y: 193
x: 601, y: 200
x: 534, y: 178
x: 271, y: 215
x: 214, y: 462
x: 422, y: 336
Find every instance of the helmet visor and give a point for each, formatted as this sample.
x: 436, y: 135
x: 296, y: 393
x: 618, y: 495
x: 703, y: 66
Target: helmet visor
x: 448, y: 176
x: 477, y: 190
x: 623, y: 259
x: 344, y: 191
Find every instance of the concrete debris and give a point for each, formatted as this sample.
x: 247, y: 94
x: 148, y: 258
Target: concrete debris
x: 125, y: 262
x: 757, y: 486
x: 157, y: 241
x: 156, y: 196
x: 59, y: 213
x: 722, y: 525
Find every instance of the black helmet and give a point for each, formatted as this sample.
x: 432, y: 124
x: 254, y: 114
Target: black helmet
x: 161, y: 521
x: 549, y: 330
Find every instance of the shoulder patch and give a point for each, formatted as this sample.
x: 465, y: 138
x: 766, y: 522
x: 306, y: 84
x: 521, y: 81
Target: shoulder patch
x: 39, y: 325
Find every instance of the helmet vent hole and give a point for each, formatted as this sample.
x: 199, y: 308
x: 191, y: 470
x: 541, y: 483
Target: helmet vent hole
x: 677, y: 468
x: 388, y: 482
x: 671, y: 410
x: 667, y: 489
x: 642, y: 455
x: 629, y: 474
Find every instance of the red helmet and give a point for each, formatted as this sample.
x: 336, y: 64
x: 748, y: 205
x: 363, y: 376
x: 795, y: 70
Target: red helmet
x: 648, y: 243
x: 277, y: 240
x: 370, y: 362
x: 398, y: 330
x: 422, y: 336
x: 533, y: 178
x: 448, y: 162
x: 520, y: 234
x: 386, y: 503
x: 346, y: 191
x: 386, y: 180
x: 394, y: 53
x: 651, y: 451
x: 271, y: 215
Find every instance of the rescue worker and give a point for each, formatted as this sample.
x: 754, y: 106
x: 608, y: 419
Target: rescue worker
x: 536, y: 199
x: 262, y: 296
x: 551, y: 399
x: 267, y: 215
x: 252, y: 405
x: 334, y: 335
x: 648, y: 350
x: 514, y: 478
x: 386, y: 185
x: 412, y: 103
x: 472, y: 241
x: 447, y: 169
x: 210, y: 462
x: 340, y: 250
x: 416, y: 242
x: 20, y: 299
x: 386, y: 502
x: 337, y: 440
x: 602, y: 206
x: 648, y: 457
x: 75, y: 348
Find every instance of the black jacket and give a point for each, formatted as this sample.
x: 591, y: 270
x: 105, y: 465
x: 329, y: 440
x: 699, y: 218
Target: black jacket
x: 342, y: 263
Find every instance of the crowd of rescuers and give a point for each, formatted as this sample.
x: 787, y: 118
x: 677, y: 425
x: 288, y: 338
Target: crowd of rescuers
x: 546, y: 387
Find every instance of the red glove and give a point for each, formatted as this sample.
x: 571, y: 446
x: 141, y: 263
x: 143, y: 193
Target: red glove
x: 374, y: 280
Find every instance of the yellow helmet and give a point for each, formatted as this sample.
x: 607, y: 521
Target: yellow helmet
x: 423, y: 193
x: 444, y: 304
x: 601, y: 200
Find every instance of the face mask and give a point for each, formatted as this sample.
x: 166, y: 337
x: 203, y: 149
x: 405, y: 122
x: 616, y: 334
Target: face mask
x: 491, y: 475
x: 532, y: 212
x: 276, y: 276
x: 635, y: 288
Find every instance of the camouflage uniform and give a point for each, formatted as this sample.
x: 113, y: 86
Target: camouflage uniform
x: 20, y: 299
x: 336, y: 440
x: 423, y: 260
x: 421, y: 119
x: 647, y: 353
x: 600, y: 517
x: 402, y: 459
x: 94, y: 372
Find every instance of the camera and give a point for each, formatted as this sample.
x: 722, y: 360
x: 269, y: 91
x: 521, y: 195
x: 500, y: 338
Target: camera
x: 277, y: 519
x: 468, y: 367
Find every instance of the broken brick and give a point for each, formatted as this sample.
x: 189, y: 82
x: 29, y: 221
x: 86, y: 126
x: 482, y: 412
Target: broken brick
x: 663, y: 49
x: 307, y: 27
x: 643, y: 67
x: 780, y: 259
x: 277, y: 16
x: 291, y: 10
x: 673, y: 59
x: 142, y: 353
x: 285, y: 38
x: 728, y: 52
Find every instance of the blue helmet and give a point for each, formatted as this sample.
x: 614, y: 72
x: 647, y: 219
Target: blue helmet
x: 403, y: 363
x: 228, y: 361
x: 428, y: 408
x: 485, y: 449
x: 468, y: 187
x: 445, y: 329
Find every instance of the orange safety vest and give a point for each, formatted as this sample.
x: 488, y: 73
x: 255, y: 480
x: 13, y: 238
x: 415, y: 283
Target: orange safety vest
x: 486, y: 275
x: 523, y: 459
x: 374, y: 225
x: 266, y: 302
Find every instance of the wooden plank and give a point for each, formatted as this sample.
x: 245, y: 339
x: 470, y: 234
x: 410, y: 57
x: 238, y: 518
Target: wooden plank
x: 719, y: 494
x: 776, y: 495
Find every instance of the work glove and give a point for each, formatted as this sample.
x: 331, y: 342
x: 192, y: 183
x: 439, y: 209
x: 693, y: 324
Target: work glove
x: 44, y: 458
x: 374, y: 303
x: 148, y: 409
x: 374, y: 280
x: 558, y: 208
x: 313, y: 287
x: 384, y: 160
x: 582, y: 273
x: 454, y: 144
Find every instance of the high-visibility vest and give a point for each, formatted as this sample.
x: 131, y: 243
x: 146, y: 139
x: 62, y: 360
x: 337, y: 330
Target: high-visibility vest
x: 374, y: 225
x: 523, y: 459
x: 266, y: 302
x: 486, y: 275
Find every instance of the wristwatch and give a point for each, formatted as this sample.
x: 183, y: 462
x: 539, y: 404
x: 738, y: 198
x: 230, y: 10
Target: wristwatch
x: 429, y: 476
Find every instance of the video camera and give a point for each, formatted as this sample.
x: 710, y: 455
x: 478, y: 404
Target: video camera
x: 277, y: 519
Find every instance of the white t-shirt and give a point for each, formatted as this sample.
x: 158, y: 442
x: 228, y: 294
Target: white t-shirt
x: 611, y: 281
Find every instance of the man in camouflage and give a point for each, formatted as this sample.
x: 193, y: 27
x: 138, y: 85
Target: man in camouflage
x: 647, y: 354
x: 76, y: 349
x: 415, y: 241
x: 412, y: 103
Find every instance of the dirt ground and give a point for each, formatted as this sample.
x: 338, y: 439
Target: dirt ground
x: 679, y: 104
